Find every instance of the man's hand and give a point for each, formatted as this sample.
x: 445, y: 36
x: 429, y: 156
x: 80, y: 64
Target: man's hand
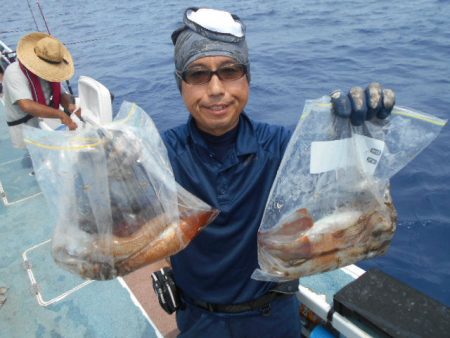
x: 363, y: 104
x: 73, y: 109
x: 40, y: 110
x: 68, y: 122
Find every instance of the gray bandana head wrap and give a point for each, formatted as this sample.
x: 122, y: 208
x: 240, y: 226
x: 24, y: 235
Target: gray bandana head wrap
x: 193, y: 42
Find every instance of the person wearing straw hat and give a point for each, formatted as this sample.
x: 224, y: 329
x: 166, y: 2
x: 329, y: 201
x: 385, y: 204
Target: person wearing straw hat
x: 230, y: 161
x: 32, y: 84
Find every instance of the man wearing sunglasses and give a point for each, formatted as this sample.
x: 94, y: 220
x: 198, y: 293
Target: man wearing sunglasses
x: 230, y: 161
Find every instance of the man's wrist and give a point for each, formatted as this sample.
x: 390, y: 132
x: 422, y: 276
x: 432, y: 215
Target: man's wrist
x: 68, y: 101
x: 70, y: 108
x: 62, y: 115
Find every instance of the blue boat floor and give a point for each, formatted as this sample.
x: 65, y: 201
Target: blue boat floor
x: 99, y: 309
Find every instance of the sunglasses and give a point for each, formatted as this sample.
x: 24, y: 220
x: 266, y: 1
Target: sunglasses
x: 199, y: 76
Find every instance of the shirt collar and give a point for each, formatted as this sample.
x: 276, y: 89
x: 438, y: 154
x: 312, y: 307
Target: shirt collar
x: 246, y: 139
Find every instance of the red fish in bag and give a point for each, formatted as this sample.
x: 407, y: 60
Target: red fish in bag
x: 330, y: 203
x: 117, y: 205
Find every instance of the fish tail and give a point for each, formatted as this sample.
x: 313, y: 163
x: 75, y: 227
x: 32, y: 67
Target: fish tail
x: 192, y: 223
x: 172, y: 240
x: 299, y: 249
x: 168, y: 243
x: 294, y: 224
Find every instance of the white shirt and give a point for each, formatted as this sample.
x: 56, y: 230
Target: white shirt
x: 17, y: 87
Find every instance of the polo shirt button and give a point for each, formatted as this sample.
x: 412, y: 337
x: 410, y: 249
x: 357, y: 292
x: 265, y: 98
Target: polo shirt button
x: 211, y: 155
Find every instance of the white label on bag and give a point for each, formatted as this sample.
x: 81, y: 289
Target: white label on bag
x: 361, y: 151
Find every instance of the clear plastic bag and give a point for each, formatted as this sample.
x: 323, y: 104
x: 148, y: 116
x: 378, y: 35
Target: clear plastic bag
x: 116, y: 202
x: 330, y: 204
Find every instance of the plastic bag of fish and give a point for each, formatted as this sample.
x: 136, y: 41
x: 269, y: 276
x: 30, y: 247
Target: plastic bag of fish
x: 112, y: 190
x: 330, y: 204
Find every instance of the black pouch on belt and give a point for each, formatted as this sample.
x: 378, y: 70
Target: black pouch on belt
x: 166, y: 290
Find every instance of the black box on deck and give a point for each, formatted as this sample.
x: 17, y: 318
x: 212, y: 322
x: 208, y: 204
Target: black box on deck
x: 391, y: 308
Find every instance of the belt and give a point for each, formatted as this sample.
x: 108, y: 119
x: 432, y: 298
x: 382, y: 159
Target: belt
x: 20, y: 121
x: 283, y: 289
x: 256, y: 304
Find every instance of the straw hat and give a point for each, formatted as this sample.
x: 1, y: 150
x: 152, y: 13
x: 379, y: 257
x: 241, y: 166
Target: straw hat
x: 45, y: 56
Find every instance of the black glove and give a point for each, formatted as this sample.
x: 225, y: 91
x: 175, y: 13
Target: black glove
x: 363, y: 104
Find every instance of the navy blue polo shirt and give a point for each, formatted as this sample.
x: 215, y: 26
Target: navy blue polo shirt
x: 217, y: 265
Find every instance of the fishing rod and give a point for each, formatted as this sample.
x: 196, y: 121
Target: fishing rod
x: 43, y: 16
x: 48, y: 31
x: 32, y: 14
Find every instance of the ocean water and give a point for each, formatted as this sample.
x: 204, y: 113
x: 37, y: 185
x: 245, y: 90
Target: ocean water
x: 298, y: 51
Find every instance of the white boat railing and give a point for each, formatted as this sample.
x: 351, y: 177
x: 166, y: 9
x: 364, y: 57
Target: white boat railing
x: 35, y: 284
x: 319, y: 306
x: 6, y: 54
